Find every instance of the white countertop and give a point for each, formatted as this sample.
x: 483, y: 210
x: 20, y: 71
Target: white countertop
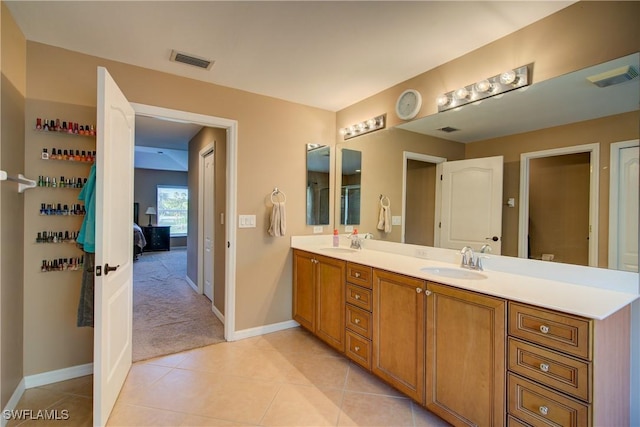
x: 574, y: 298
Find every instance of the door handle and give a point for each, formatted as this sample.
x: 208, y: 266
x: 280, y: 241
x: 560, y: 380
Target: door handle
x: 107, y: 269
x: 494, y: 238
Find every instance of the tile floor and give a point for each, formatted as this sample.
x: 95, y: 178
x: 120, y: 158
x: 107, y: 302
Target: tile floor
x: 287, y: 378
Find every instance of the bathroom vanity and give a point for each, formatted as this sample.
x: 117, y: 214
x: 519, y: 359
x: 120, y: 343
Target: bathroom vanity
x: 485, y: 348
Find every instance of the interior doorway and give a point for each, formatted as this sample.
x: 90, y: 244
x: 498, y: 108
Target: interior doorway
x: 207, y: 203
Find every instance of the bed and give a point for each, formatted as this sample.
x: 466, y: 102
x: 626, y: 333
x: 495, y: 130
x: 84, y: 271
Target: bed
x: 139, y: 242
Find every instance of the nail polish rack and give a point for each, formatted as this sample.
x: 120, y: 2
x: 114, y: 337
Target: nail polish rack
x: 79, y: 157
x: 57, y: 236
x: 62, y: 264
x: 60, y: 209
x: 55, y: 126
x: 71, y: 183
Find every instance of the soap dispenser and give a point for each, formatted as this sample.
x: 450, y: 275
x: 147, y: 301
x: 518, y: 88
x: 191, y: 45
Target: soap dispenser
x: 336, y: 238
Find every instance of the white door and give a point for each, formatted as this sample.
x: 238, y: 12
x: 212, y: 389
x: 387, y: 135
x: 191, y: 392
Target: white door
x: 627, y: 210
x: 471, y: 208
x: 208, y: 220
x: 114, y: 246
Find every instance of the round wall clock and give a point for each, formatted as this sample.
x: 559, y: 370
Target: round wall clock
x: 408, y: 104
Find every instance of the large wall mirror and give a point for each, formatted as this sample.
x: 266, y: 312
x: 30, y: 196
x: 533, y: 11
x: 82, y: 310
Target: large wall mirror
x: 563, y: 119
x: 318, y: 184
x: 350, y: 186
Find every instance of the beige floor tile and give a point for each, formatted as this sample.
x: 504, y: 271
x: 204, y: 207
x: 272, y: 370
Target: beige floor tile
x: 268, y: 365
x: 198, y: 421
x: 321, y: 371
x: 170, y: 361
x: 125, y: 415
x: 73, y: 411
x: 218, y: 358
x: 82, y: 386
x: 39, y: 398
x: 141, y: 376
x: 360, y: 409
x: 299, y: 405
x: 363, y: 381
x: 424, y: 418
x: 295, y: 340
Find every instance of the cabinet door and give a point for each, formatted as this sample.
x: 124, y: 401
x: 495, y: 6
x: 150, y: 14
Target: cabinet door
x: 304, y: 289
x: 330, y: 307
x: 465, y: 356
x: 398, y: 332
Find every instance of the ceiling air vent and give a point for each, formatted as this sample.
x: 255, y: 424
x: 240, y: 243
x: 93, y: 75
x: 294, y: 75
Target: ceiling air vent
x: 448, y: 129
x: 189, y: 59
x: 613, y: 77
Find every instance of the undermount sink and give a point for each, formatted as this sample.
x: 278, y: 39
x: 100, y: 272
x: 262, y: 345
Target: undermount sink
x: 340, y: 250
x: 454, y: 273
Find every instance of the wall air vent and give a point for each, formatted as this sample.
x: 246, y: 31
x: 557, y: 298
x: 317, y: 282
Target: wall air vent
x: 448, y: 129
x: 613, y: 77
x: 189, y: 59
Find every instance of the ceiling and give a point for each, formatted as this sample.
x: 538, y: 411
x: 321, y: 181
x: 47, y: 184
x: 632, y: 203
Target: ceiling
x: 325, y: 54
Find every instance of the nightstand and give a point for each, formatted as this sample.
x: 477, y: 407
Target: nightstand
x: 158, y: 238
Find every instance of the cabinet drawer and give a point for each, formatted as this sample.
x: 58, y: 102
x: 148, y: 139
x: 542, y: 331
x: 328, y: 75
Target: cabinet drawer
x: 540, y: 406
x: 359, y: 321
x: 359, y: 350
x: 359, y: 296
x: 558, y: 371
x: 514, y: 422
x: 359, y: 275
x: 558, y: 331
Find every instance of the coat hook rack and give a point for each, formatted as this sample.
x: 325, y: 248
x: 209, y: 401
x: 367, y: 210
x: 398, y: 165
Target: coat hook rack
x: 23, y: 182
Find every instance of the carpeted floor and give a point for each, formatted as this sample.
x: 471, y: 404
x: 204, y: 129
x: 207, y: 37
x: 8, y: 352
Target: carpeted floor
x: 168, y: 315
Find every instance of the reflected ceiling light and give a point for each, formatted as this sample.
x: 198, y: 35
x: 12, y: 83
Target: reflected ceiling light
x: 362, y: 128
x: 496, y: 85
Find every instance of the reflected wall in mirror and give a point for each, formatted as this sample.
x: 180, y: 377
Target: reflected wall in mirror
x: 566, y: 111
x: 318, y: 184
x: 350, y: 187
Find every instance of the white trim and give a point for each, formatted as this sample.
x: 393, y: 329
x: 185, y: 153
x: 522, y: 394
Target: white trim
x: 217, y: 313
x: 230, y: 215
x: 58, y: 375
x: 594, y: 190
x: 614, y: 170
x: 408, y: 155
x: 13, y: 401
x: 266, y: 329
x: 201, y: 155
x: 193, y: 285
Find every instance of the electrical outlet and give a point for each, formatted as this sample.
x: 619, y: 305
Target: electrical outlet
x: 317, y: 229
x: 421, y: 253
x: 396, y: 220
x: 348, y: 228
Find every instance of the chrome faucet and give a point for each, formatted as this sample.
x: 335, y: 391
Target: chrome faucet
x: 356, y: 240
x: 470, y: 260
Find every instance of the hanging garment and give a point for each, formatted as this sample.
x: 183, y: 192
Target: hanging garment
x: 85, y: 306
x: 87, y: 241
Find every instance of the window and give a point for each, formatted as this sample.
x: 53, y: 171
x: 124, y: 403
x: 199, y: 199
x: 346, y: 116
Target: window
x: 173, y: 206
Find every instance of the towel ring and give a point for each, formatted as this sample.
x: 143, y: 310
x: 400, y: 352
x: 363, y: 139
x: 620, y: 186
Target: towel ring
x: 382, y: 198
x: 277, y: 192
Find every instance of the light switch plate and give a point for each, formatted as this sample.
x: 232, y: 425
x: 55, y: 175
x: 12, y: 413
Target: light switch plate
x: 246, y: 221
x: 396, y: 220
x: 317, y: 229
x: 348, y: 228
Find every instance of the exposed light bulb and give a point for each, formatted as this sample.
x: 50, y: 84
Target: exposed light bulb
x: 443, y: 100
x: 461, y: 93
x: 343, y: 131
x: 508, y: 77
x: 371, y: 123
x: 484, y: 86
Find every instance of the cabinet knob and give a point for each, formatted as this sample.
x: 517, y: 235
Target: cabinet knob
x: 544, y: 329
x: 356, y: 321
x: 357, y: 296
x: 544, y: 367
x: 427, y: 292
x: 357, y: 348
x: 544, y: 410
x: 419, y: 290
x: 357, y: 275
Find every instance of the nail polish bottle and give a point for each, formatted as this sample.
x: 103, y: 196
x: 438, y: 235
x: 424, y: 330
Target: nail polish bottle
x: 39, y: 238
x: 92, y: 130
x: 39, y: 123
x: 46, y: 181
x: 45, y: 154
x: 83, y: 156
x: 77, y: 157
x: 58, y: 208
x: 64, y: 126
x: 70, y: 129
x: 65, y: 210
x: 58, y: 124
x: 44, y: 266
x: 75, y: 128
x: 81, y: 130
x: 62, y: 183
x: 52, y: 125
x: 54, y: 183
x: 45, y: 126
x: 42, y: 208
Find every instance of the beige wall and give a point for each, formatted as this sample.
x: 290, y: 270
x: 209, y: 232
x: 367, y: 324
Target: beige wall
x: 12, y: 105
x: 218, y: 138
x: 421, y: 208
x: 144, y: 192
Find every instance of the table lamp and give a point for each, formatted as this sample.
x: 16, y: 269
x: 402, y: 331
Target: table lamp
x: 150, y: 211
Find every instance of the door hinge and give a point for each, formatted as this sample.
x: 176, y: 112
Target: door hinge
x: 440, y: 177
x: 439, y: 225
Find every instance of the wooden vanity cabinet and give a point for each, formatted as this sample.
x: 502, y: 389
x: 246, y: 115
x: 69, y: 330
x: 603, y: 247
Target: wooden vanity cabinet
x: 358, y: 308
x: 465, y: 378
x: 399, y: 332
x: 319, y: 296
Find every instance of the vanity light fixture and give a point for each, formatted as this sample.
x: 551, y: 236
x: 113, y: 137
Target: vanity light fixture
x: 498, y: 84
x: 362, y: 128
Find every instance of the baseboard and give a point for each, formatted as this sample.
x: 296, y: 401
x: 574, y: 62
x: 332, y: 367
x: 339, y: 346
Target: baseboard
x: 58, y: 375
x: 266, y: 329
x: 217, y: 313
x: 193, y: 285
x: 13, y: 401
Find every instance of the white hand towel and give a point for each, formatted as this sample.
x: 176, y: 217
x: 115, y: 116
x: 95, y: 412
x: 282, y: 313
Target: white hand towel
x: 384, y: 219
x: 278, y: 222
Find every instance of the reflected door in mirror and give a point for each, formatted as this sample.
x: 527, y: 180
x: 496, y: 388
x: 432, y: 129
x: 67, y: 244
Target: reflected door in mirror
x: 318, y: 184
x: 350, y: 187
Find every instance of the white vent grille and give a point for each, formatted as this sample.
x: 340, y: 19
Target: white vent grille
x: 192, y: 60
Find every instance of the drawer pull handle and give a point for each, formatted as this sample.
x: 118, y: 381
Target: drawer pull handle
x: 544, y: 367
x: 544, y: 329
x: 357, y: 348
x: 419, y: 290
x: 357, y: 275
x: 357, y: 296
x: 356, y: 321
x: 544, y: 410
